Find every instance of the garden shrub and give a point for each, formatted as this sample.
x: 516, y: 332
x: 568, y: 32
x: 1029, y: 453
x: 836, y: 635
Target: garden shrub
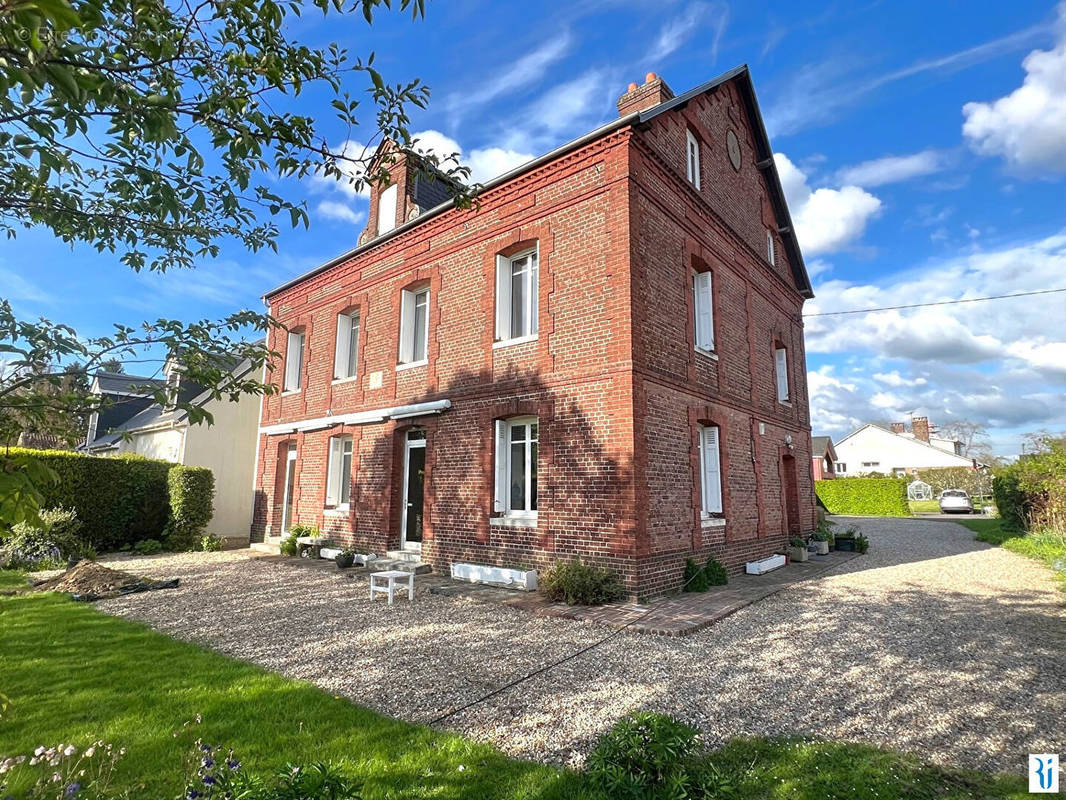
x: 191, y: 491
x: 47, y: 545
x: 870, y: 497
x: 119, y: 499
x: 148, y: 547
x: 288, y: 546
x: 1031, y: 493
x: 695, y: 577
x: 647, y: 755
x: 1011, y: 501
x: 715, y: 573
x: 578, y: 584
x: 212, y: 544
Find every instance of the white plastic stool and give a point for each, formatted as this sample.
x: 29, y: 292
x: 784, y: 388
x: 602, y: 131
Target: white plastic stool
x: 391, y: 576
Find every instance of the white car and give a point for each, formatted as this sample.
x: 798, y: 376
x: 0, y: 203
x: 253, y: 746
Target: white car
x: 955, y: 501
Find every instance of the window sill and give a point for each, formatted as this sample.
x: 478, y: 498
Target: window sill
x: 785, y: 403
x: 712, y: 522
x: 412, y: 365
x: 708, y: 353
x: 506, y: 521
x: 349, y: 379
x: 289, y: 392
x: 516, y: 340
x: 336, y: 511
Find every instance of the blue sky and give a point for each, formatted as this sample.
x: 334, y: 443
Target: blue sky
x: 922, y: 147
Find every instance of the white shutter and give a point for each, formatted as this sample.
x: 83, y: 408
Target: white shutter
x: 500, y: 494
x: 503, y: 298
x: 332, y: 475
x: 407, y: 324
x: 340, y: 355
x: 534, y: 292
x: 293, y: 359
x: 782, y: 374
x: 704, y: 302
x: 712, y: 470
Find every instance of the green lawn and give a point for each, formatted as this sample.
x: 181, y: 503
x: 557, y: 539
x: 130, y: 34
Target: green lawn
x: 924, y: 506
x: 73, y: 675
x: 1047, y: 546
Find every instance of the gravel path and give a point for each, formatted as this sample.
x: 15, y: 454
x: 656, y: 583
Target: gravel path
x: 932, y: 643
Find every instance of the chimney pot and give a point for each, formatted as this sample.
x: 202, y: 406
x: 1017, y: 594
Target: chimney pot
x: 650, y: 77
x: 632, y: 87
x: 641, y: 98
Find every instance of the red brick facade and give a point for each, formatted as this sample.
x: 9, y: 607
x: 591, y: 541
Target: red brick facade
x: 612, y: 376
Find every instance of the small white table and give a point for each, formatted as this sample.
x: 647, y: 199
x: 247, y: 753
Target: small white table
x: 390, y: 577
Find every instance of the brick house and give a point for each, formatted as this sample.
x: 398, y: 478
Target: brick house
x: 603, y: 359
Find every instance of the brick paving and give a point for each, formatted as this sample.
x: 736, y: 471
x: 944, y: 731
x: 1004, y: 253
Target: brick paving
x: 675, y: 615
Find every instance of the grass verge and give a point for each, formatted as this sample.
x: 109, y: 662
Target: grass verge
x: 74, y: 675
x: 924, y: 506
x: 1048, y: 546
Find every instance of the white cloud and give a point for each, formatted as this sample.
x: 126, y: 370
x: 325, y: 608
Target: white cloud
x: 679, y: 29
x: 516, y: 74
x: 351, y: 170
x: 485, y: 163
x: 16, y: 287
x: 893, y: 378
x: 892, y: 169
x: 826, y: 219
x: 1028, y: 126
x: 331, y: 209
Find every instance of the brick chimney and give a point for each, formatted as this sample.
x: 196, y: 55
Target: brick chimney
x: 898, y: 427
x: 641, y: 98
x: 920, y: 428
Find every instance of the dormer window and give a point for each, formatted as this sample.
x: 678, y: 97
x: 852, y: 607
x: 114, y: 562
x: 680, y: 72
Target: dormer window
x: 387, y: 209
x: 770, y: 251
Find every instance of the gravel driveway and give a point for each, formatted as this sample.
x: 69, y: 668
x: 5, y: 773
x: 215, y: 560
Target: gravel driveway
x: 931, y: 643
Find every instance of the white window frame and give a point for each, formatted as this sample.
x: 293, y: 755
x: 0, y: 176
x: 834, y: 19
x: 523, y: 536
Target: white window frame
x: 502, y: 493
x: 294, y: 366
x: 703, y: 311
x: 505, y: 265
x: 781, y: 373
x: 348, y: 329
x: 387, y: 209
x: 841, y: 467
x: 409, y: 337
x: 336, y: 486
x: 692, y: 158
x: 771, y: 249
x: 710, y: 450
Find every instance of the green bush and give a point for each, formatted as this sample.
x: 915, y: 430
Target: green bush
x: 191, y: 491
x: 47, y: 545
x: 148, y: 547
x: 869, y: 497
x: 288, y: 546
x: 119, y: 500
x: 579, y: 584
x: 212, y: 544
x: 1011, y: 500
x: 715, y: 572
x: 647, y: 755
x: 695, y: 577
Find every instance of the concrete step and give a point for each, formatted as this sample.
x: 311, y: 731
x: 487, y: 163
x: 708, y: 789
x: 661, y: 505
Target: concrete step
x: 402, y: 565
x: 404, y: 555
x: 264, y: 547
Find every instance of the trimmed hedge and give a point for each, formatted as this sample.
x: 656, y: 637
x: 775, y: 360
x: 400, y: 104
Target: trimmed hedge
x: 867, y: 497
x: 192, y: 491
x: 122, y: 500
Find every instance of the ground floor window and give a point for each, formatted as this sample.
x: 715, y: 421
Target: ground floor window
x: 516, y: 465
x: 339, y: 479
x: 710, y: 469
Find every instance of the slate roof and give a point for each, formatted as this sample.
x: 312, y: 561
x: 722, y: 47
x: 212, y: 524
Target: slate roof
x: 765, y: 161
x: 119, y: 382
x: 819, y: 444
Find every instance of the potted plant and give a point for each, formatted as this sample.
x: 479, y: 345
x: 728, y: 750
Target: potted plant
x: 821, y: 542
x: 862, y: 544
x: 846, y: 540
x: 345, y: 558
x: 797, y: 549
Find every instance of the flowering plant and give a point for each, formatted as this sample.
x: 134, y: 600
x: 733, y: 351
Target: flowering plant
x: 63, y: 772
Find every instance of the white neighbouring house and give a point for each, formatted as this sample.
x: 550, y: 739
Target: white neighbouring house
x: 896, y: 451
x: 133, y: 422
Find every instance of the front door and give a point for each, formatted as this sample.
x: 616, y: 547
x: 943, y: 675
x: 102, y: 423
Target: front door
x: 792, y: 513
x: 290, y: 483
x: 414, y: 484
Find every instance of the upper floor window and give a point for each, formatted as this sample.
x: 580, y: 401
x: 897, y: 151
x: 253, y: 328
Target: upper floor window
x: 346, y: 357
x: 387, y: 209
x: 294, y: 361
x: 703, y: 310
x: 770, y: 252
x: 841, y: 466
x: 710, y: 469
x: 339, y: 476
x: 516, y: 465
x: 781, y: 368
x: 692, y: 158
x: 414, y: 326
x: 517, y: 305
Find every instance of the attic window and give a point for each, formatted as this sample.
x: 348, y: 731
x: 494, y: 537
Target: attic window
x: 770, y: 251
x: 387, y: 209
x: 692, y: 158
